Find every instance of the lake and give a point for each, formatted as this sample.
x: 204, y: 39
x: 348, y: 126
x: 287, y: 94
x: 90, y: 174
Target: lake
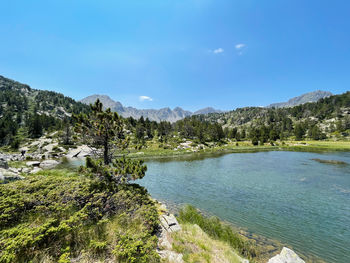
x: 280, y: 195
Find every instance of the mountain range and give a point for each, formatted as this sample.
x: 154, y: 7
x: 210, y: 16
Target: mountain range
x: 164, y: 114
x: 304, y: 98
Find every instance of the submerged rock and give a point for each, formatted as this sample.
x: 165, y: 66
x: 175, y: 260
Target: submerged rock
x: 286, y: 256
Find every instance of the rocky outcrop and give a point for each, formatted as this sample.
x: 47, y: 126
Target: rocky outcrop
x: 168, y: 224
x: 80, y: 152
x: 286, y: 256
x: 3, y: 164
x: 48, y: 164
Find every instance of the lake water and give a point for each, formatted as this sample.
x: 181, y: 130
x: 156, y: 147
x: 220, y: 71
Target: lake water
x: 281, y: 195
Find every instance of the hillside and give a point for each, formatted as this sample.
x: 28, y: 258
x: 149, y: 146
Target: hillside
x: 304, y: 98
x: 164, y: 114
x: 33, y: 110
x: 329, y: 117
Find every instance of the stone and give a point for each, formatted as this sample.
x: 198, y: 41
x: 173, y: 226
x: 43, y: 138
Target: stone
x: 33, y: 163
x: 48, y: 164
x: 3, y: 163
x: 6, y: 175
x: 80, y: 151
x: 170, y: 223
x: 35, y: 170
x: 286, y: 256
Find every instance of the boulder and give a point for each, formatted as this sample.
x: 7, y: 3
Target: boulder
x: 286, y: 256
x: 170, y: 223
x: 48, y: 164
x: 6, y: 175
x: 3, y: 163
x: 33, y: 163
x: 35, y: 170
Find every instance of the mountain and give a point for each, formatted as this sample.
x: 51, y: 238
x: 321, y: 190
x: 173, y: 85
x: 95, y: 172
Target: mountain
x: 164, y: 114
x: 307, y: 97
x: 21, y: 99
x: 206, y: 111
x: 32, y: 111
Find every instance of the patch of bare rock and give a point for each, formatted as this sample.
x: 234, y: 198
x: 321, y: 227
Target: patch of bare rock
x: 286, y: 256
x: 168, y: 224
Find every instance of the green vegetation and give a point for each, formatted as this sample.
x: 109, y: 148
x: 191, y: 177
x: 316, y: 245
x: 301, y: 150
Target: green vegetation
x: 57, y: 215
x: 198, y: 246
x: 218, y: 230
x: 27, y: 112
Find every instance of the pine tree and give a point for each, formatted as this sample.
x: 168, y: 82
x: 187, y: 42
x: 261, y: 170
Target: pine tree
x: 104, y: 130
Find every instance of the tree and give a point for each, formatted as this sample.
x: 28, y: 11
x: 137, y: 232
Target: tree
x: 67, y: 132
x: 104, y: 130
x: 299, y: 132
x: 35, y: 126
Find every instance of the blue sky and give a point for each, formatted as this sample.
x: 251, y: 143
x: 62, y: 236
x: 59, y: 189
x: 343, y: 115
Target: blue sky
x: 188, y: 53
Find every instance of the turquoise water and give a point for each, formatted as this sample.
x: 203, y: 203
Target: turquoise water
x: 281, y: 195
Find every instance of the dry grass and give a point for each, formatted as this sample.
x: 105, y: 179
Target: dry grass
x: 197, y: 246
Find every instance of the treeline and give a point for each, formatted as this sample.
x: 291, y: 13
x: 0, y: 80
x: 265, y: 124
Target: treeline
x: 311, y: 120
x: 188, y: 128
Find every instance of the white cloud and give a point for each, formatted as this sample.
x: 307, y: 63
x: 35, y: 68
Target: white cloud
x: 143, y: 98
x: 218, y: 50
x: 240, y: 46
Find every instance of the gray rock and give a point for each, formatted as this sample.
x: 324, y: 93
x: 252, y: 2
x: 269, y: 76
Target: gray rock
x: 6, y: 175
x: 286, y: 256
x: 33, y: 163
x: 48, y: 164
x: 170, y: 223
x: 35, y: 170
x: 3, y: 163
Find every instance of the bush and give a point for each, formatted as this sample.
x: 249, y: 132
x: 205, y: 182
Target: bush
x: 55, y: 209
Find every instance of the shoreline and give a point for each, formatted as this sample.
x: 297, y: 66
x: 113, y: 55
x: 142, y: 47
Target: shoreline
x: 267, y: 247
x: 305, y: 146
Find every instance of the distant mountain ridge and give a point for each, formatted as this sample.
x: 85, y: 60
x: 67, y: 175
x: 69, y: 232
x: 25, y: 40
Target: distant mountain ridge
x: 304, y: 98
x: 164, y: 114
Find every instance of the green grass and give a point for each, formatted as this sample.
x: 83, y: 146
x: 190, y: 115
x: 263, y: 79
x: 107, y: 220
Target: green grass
x: 244, y: 146
x: 198, y: 246
x: 218, y: 230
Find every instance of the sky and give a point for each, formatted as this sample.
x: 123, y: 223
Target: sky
x: 188, y: 53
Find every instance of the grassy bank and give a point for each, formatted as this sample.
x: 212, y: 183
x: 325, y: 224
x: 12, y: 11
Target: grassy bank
x: 243, y: 147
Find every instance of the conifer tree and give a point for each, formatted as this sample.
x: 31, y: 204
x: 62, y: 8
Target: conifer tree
x: 104, y: 132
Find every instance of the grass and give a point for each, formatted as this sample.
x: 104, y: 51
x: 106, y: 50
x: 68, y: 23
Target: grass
x: 198, y: 246
x: 217, y: 230
x: 153, y: 150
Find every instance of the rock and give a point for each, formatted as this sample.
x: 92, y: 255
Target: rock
x: 3, y: 163
x: 6, y: 175
x: 172, y: 256
x: 81, y: 151
x: 35, y: 170
x: 286, y: 256
x: 170, y: 223
x: 33, y: 163
x: 48, y: 164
